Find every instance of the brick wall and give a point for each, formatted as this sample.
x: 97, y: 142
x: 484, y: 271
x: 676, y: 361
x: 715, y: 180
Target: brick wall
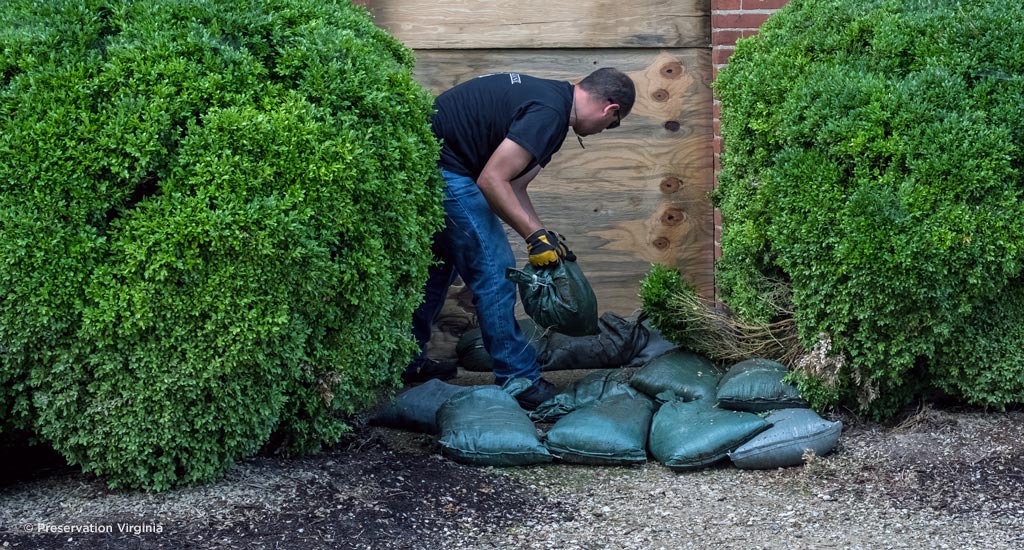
x: 730, y: 21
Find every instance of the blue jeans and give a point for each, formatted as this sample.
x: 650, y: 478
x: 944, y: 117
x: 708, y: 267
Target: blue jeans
x: 474, y: 246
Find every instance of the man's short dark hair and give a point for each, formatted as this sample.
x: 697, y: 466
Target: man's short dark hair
x: 613, y: 85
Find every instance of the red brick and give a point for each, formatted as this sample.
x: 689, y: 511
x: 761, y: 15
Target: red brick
x: 726, y: 38
x: 764, y: 4
x: 737, y: 20
x: 720, y: 55
x: 718, y: 5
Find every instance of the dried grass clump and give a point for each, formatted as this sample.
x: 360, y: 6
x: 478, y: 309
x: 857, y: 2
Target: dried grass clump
x: 720, y: 334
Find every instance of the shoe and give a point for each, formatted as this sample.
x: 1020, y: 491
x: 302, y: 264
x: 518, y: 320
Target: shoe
x: 428, y: 369
x: 539, y: 392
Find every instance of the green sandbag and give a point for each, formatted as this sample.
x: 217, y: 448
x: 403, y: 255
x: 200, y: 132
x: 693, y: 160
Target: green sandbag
x: 474, y: 357
x: 793, y: 433
x: 485, y: 426
x: 416, y: 408
x: 690, y: 376
x: 610, y: 432
x: 585, y: 391
x: 617, y: 342
x: 687, y: 436
x: 559, y: 298
x: 756, y: 385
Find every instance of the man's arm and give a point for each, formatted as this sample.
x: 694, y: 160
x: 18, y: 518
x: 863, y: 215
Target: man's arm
x: 519, y: 188
x: 505, y: 193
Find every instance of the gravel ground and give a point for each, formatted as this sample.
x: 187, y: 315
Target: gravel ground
x: 884, y: 488
x: 940, y: 478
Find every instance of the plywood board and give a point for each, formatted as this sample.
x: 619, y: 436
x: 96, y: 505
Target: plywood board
x: 544, y: 24
x: 637, y: 194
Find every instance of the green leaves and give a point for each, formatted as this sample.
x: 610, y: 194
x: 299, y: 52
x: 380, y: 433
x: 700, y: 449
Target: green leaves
x: 215, y: 220
x: 872, y: 160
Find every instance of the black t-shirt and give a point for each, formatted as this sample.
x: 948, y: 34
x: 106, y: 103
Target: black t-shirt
x: 474, y: 117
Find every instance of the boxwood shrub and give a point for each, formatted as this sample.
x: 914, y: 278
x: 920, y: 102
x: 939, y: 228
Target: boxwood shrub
x: 873, y: 155
x: 214, y: 226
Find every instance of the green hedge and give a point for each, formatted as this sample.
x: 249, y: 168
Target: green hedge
x: 214, y: 225
x: 873, y: 154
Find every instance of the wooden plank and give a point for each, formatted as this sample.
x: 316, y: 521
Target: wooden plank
x: 543, y: 24
x: 637, y: 194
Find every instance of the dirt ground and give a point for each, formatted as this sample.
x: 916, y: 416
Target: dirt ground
x: 934, y: 478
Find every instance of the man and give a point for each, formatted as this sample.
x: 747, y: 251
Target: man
x: 497, y: 132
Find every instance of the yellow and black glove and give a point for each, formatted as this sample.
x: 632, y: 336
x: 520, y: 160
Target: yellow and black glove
x: 544, y: 249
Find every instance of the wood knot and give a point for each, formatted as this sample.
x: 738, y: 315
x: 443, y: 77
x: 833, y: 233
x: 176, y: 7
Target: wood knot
x: 661, y: 243
x: 672, y: 125
x: 661, y: 95
x: 673, y: 216
x: 670, y: 185
x: 672, y: 70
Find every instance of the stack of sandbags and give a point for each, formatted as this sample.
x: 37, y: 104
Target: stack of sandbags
x: 759, y: 385
x: 679, y: 408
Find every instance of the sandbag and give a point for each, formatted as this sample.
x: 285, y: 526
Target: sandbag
x: 756, y: 385
x: 474, y: 357
x: 612, y: 431
x: 415, y: 409
x: 690, y: 376
x: 617, y: 342
x: 485, y: 426
x: 793, y: 432
x: 691, y: 435
x: 559, y: 298
x: 656, y: 345
x: 585, y: 391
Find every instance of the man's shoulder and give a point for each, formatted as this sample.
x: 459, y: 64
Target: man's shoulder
x: 512, y: 79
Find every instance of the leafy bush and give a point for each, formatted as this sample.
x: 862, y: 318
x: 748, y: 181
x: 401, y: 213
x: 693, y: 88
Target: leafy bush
x: 657, y: 290
x: 872, y: 161
x: 214, y: 224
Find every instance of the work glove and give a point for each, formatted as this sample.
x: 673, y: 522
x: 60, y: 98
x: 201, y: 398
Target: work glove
x: 545, y: 249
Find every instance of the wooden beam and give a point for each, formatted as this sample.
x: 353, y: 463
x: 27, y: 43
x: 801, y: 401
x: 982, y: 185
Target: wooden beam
x: 543, y: 24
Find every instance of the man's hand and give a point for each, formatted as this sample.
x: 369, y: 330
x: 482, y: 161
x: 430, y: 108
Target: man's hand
x: 544, y: 249
x: 561, y: 248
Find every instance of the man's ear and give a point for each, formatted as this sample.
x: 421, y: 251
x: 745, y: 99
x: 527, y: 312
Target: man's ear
x: 610, y: 109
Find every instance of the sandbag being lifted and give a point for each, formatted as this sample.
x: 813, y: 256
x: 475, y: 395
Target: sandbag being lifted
x: 559, y: 298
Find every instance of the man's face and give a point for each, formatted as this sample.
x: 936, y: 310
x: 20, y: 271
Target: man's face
x: 604, y: 118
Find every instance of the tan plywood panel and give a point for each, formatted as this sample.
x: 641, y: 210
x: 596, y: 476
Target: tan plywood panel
x: 637, y: 194
x: 542, y: 24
